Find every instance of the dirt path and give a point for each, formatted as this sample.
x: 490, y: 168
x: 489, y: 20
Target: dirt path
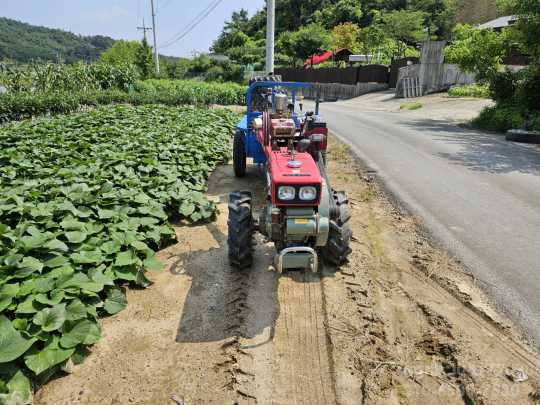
x: 401, y: 323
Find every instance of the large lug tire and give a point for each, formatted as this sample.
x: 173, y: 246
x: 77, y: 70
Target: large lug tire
x: 239, y: 154
x: 338, y: 249
x: 240, y: 230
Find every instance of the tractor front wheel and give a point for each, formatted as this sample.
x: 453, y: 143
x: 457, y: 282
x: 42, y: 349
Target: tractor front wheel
x: 338, y: 248
x: 239, y: 154
x: 240, y: 230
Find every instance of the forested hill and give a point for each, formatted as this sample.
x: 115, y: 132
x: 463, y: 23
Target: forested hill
x: 23, y: 42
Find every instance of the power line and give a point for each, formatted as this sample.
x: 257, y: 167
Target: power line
x: 163, y: 6
x: 193, y: 24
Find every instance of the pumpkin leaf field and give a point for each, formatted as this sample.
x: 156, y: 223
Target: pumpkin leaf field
x: 85, y: 202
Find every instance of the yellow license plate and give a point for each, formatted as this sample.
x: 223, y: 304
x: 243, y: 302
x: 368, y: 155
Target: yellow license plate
x: 301, y: 221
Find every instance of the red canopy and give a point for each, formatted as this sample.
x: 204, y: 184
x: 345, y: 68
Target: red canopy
x: 316, y: 59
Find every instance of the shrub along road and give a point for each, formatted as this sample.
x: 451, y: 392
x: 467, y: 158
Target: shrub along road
x: 477, y: 194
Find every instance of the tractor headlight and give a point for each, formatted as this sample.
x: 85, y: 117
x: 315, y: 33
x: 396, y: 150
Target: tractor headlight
x: 286, y: 193
x: 308, y: 193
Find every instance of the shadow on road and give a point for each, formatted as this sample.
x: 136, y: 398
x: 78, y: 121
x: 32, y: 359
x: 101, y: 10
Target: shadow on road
x: 480, y: 151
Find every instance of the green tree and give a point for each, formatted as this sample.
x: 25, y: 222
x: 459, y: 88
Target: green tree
x: 477, y: 51
x: 375, y: 41
x: 233, y: 34
x: 339, y: 12
x: 121, y: 52
x: 405, y: 27
x: 251, y: 52
x: 309, y: 40
x: 439, y: 15
x: 345, y: 36
x: 528, y: 26
x: 143, y: 59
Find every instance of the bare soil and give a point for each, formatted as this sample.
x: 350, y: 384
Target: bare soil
x: 402, y: 323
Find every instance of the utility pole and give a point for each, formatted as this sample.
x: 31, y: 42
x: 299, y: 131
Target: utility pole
x: 270, y: 34
x: 144, y: 28
x: 156, y: 54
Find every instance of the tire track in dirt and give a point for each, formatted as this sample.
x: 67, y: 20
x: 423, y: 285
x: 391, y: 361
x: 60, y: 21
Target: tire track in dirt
x: 289, y: 362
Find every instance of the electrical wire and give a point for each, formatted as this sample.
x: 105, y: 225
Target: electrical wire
x: 196, y: 21
x: 192, y: 25
x: 164, y: 6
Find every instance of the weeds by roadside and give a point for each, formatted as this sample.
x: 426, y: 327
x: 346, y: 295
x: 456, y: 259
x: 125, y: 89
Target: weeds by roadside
x: 411, y: 106
x: 471, y: 90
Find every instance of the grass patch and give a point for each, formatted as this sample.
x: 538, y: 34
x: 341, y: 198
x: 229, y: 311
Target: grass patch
x: 411, y: 106
x: 470, y: 90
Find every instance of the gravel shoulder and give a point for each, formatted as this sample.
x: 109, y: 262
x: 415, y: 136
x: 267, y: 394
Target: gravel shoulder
x: 401, y: 323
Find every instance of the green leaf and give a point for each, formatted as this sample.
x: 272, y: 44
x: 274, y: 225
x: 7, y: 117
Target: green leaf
x: 27, y: 306
x: 93, y: 228
x: 141, y: 246
x: 34, y: 241
x: 76, y: 280
x: 56, y: 261
x: 153, y: 264
x: 97, y: 276
x: 56, y: 297
x: 56, y: 245
x: 87, y: 257
x: 187, y: 208
x: 20, y: 323
x: 111, y: 247
x: 19, y: 390
x: 81, y: 353
x: 75, y: 310
x: 72, y: 224
x: 51, y: 318
x: 7, y: 292
x: 27, y: 266
x: 116, y: 301
x: 43, y: 284
x: 60, y: 272
x: 126, y: 273
x: 47, y: 358
x: 12, y: 260
x: 106, y: 214
x: 126, y: 258
x: 85, y: 332
x: 12, y: 344
x: 76, y: 236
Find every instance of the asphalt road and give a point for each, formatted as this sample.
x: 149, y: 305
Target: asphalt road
x: 478, y: 194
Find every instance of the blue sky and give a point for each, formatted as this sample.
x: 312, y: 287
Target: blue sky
x: 119, y: 18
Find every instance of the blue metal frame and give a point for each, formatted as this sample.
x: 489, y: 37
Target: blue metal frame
x: 253, y: 148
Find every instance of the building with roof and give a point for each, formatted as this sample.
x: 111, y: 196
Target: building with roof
x: 499, y: 23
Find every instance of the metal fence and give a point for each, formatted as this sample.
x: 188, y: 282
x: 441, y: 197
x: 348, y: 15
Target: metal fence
x: 336, y: 91
x: 398, y: 64
x: 349, y: 75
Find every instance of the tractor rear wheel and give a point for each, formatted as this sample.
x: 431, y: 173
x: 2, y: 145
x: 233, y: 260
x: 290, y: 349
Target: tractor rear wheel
x: 239, y: 154
x: 338, y: 248
x: 240, y: 230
